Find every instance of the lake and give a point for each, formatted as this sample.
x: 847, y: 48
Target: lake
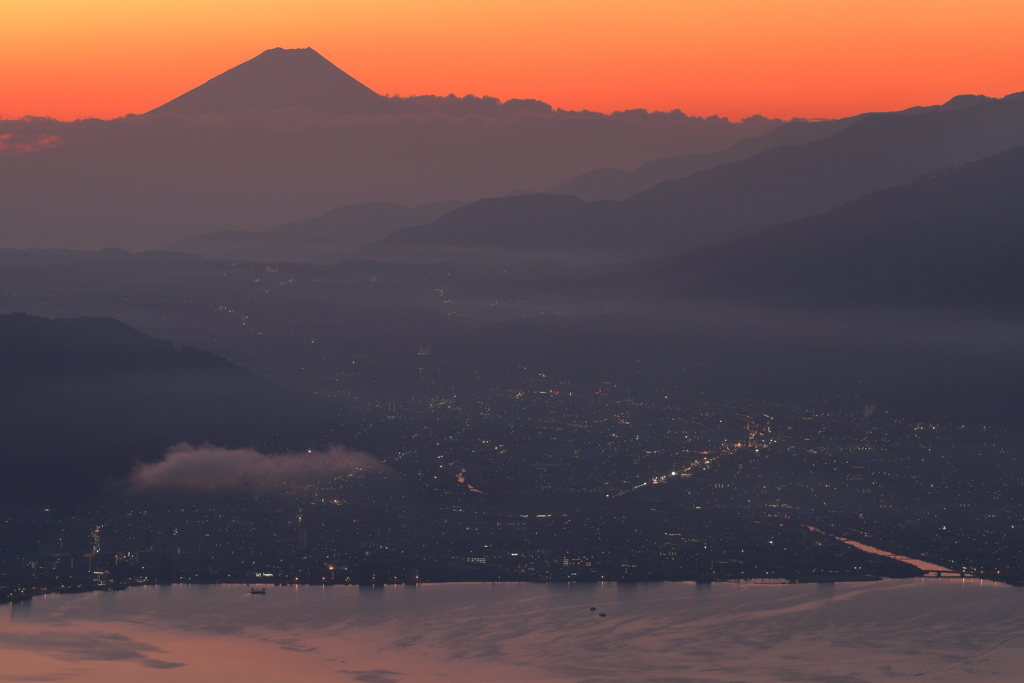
x: 923, y: 629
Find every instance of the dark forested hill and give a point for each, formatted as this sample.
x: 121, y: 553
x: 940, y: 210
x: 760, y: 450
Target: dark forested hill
x: 83, y: 399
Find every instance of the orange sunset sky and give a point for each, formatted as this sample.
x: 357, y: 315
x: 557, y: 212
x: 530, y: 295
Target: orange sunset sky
x: 813, y: 58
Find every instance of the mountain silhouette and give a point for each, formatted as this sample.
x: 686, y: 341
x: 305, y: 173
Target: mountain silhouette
x: 780, y: 185
x: 953, y: 238
x: 143, y: 182
x: 482, y: 224
x: 280, y: 79
x: 328, y: 238
x: 614, y: 183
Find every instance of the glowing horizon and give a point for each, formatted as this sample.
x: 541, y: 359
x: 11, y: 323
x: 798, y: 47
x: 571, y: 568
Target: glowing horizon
x: 732, y: 58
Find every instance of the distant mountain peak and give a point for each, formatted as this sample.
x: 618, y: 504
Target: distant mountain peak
x: 280, y: 78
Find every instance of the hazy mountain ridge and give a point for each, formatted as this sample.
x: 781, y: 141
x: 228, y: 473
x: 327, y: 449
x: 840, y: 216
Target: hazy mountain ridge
x: 458, y: 233
x: 327, y: 239
x: 143, y: 182
x: 271, y: 148
x: 378, y: 329
x: 953, y: 238
x: 613, y: 183
x: 779, y: 185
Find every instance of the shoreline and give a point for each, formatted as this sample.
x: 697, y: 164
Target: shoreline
x: 26, y: 596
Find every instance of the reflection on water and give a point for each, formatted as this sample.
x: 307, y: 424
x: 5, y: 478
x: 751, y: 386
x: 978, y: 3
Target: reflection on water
x: 936, y: 630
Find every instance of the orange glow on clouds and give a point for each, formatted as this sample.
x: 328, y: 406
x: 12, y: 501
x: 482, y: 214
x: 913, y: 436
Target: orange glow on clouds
x: 814, y: 58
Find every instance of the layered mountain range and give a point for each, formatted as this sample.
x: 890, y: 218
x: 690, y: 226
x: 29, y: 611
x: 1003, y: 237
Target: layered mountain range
x: 954, y: 237
x: 614, y: 183
x: 794, y: 171
x: 781, y: 184
x: 283, y: 139
x: 328, y: 238
x: 288, y: 136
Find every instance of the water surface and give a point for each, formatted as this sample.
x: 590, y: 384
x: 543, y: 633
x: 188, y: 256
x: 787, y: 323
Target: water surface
x: 926, y: 630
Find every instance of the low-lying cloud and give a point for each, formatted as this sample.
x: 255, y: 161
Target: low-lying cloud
x: 212, y: 469
x: 20, y: 143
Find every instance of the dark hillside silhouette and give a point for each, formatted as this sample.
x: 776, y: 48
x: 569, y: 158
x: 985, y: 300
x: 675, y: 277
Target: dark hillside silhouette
x: 83, y: 399
x: 955, y: 238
